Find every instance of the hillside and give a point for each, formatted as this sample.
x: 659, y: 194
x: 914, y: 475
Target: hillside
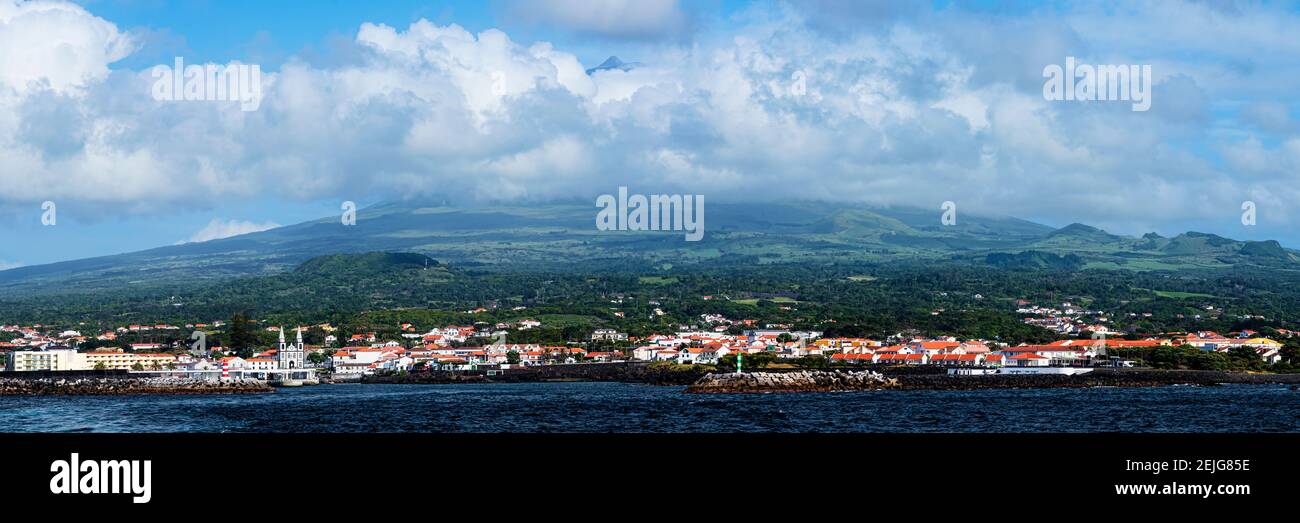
x: 560, y: 237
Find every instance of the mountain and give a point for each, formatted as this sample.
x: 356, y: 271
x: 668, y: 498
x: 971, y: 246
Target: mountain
x: 563, y: 237
x: 1034, y: 260
x: 371, y: 262
x: 613, y: 63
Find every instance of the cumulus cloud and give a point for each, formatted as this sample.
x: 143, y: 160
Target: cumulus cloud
x: 218, y: 229
x: 896, y: 113
x: 55, y: 45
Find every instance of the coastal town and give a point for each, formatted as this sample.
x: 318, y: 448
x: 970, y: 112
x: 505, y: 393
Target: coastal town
x: 486, y: 348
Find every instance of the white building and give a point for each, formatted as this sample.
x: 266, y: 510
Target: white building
x: 55, y: 359
x: 290, y: 356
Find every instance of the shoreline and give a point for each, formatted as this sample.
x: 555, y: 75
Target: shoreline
x: 775, y: 380
x: 904, y: 378
x: 123, y: 386
x: 1097, y: 378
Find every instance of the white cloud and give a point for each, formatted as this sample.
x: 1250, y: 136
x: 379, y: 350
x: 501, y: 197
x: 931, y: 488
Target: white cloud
x: 218, y: 229
x: 55, y: 44
x: 6, y: 265
x: 894, y: 113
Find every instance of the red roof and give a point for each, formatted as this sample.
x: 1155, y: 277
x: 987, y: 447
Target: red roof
x: 955, y: 357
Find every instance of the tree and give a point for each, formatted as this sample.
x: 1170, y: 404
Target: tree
x: 1245, y: 357
x: 342, y: 334
x: 241, y: 339
x: 317, y: 358
x: 811, y: 362
x: 512, y: 357
x: 752, y: 361
x: 1290, y: 351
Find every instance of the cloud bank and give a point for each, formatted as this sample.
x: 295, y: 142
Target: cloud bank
x: 913, y: 109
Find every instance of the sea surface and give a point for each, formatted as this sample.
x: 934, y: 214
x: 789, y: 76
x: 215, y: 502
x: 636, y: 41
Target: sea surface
x: 620, y: 407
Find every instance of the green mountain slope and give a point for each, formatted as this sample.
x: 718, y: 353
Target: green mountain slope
x: 564, y: 237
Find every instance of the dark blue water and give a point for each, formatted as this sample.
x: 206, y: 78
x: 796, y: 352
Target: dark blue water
x: 616, y: 407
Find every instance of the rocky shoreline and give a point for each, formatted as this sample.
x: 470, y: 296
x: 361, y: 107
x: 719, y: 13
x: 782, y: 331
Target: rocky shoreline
x: 114, y: 386
x: 830, y: 381
x: 803, y: 381
x: 782, y: 380
x: 1096, y: 378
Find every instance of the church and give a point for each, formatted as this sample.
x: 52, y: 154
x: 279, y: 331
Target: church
x: 291, y: 356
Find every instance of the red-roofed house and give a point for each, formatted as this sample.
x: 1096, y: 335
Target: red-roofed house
x: 1028, y: 359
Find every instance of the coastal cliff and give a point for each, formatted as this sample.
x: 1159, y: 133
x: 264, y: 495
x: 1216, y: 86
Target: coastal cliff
x: 803, y: 381
x: 111, y: 386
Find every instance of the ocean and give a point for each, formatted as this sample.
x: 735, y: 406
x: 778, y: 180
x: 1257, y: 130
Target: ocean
x: 621, y: 407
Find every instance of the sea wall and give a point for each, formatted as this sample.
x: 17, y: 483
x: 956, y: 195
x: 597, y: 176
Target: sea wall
x: 111, y: 386
x: 801, y: 381
x: 1096, y: 378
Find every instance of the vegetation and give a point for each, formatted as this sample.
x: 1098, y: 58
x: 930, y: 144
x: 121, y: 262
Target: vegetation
x: 378, y: 292
x: 1183, y: 357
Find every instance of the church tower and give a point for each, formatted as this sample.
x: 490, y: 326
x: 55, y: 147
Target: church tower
x: 291, y: 356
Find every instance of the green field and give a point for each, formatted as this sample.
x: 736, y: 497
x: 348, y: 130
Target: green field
x: 754, y: 301
x: 1182, y: 295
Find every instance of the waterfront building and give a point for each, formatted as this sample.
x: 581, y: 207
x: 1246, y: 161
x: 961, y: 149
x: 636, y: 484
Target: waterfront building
x: 1029, y: 359
x: 128, y: 360
x: 56, y: 359
x: 64, y: 358
x: 259, y: 364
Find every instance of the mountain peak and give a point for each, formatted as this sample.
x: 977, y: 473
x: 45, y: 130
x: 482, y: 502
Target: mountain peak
x: 1077, y: 229
x: 613, y: 62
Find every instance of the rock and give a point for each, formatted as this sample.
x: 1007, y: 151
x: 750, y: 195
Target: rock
x: 800, y: 381
x: 106, y: 386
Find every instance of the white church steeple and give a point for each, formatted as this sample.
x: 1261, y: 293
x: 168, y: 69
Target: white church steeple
x: 291, y: 356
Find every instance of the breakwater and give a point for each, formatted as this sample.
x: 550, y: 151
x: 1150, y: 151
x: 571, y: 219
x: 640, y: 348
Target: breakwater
x: 119, y: 385
x: 1096, y: 378
x: 909, y: 378
x: 802, y: 381
x: 843, y: 380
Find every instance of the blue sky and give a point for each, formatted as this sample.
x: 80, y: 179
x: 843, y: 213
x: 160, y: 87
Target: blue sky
x: 902, y: 103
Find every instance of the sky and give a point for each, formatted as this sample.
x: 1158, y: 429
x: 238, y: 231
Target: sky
x: 488, y: 102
